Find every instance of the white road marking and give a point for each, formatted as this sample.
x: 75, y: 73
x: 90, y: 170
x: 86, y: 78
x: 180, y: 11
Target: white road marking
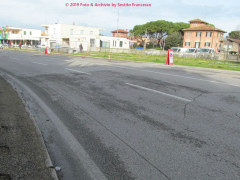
x: 40, y: 63
x: 77, y: 71
x: 179, y: 76
x: 159, y: 92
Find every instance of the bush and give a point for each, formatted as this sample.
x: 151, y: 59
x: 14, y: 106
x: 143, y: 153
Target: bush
x: 174, y: 40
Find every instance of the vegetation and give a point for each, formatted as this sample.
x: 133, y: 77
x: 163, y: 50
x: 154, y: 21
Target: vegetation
x: 158, y: 30
x: 174, y: 40
x: 234, y: 34
x: 196, y: 62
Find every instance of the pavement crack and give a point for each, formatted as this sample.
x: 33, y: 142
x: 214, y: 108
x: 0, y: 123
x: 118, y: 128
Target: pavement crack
x: 194, y: 99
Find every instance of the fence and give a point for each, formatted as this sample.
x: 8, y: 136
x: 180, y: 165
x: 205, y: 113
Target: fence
x: 221, y: 56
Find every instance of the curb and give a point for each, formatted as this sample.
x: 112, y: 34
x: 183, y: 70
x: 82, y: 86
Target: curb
x: 48, y: 161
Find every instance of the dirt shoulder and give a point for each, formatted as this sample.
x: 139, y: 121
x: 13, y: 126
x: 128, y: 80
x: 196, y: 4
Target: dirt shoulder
x: 22, y: 152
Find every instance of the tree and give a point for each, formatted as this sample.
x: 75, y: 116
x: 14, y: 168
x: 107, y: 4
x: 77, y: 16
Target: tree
x: 158, y: 30
x: 174, y: 40
x: 234, y: 34
x: 179, y: 26
x: 141, y: 32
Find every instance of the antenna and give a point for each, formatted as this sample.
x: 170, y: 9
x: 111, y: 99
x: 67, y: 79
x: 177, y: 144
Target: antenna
x: 117, y: 21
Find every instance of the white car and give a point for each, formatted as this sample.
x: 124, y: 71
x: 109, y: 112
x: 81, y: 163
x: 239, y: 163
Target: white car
x: 191, y: 50
x: 175, y: 49
x: 206, y: 50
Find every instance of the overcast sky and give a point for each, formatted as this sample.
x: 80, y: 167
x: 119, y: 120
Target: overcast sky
x: 224, y: 14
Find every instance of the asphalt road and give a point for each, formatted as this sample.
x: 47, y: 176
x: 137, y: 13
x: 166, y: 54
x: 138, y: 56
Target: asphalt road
x: 106, y: 119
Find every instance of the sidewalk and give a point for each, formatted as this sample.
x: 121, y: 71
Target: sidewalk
x: 22, y: 152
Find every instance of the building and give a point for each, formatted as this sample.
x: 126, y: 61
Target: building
x: 71, y: 36
x: 14, y: 36
x: 231, y: 46
x: 202, y: 35
x: 120, y: 33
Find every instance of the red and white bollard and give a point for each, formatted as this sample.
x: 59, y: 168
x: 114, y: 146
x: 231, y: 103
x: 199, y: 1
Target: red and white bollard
x: 47, y: 50
x: 169, y: 60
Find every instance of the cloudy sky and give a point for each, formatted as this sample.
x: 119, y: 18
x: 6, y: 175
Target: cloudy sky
x: 224, y: 14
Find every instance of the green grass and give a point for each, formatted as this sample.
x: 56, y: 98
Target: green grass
x: 195, y: 62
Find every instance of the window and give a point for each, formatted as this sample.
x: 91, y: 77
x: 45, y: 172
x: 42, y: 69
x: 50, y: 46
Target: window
x: 104, y: 44
x: 30, y: 33
x: 25, y: 33
x: 71, y: 31
x: 195, y: 24
x: 91, y: 32
x: 82, y: 32
x: 114, y: 43
x: 92, y: 42
x: 121, y: 44
x: 187, y: 43
x: 198, y: 34
x: 189, y: 34
x: 208, y: 34
x: 207, y: 44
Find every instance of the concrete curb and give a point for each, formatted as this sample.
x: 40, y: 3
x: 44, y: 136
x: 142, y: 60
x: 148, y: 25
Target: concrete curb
x: 48, y: 161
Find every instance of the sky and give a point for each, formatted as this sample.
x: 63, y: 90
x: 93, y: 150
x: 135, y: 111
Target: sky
x: 224, y: 14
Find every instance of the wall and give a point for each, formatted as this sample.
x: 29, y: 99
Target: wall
x: 215, y: 39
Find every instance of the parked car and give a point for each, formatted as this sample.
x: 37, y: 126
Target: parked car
x: 191, y: 50
x: 206, y: 50
x: 175, y: 49
x: 182, y: 50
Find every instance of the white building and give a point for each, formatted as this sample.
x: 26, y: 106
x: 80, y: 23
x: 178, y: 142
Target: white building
x: 71, y: 36
x: 25, y: 36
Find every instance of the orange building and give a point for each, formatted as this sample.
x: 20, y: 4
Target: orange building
x: 202, y: 35
x: 120, y: 33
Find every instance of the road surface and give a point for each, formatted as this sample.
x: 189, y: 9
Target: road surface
x: 108, y: 119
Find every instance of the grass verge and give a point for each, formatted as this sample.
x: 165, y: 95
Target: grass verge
x: 195, y: 62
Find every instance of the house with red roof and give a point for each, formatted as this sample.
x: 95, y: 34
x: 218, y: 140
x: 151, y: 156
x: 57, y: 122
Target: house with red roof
x: 202, y: 35
x: 231, y: 45
x: 120, y: 33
